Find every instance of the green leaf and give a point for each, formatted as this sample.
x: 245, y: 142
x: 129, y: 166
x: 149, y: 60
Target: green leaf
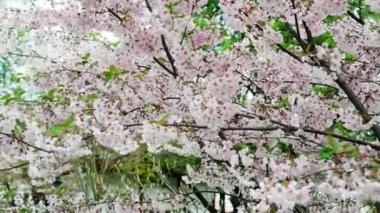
x: 170, y: 6
x: 287, y: 38
x: 22, y: 32
x: 343, y: 130
x: 142, y: 74
x: 326, y: 153
x: 60, y: 128
x: 284, y: 102
x: 352, y: 151
x: 7, y: 99
x: 18, y: 92
x: 211, y: 9
x: 349, y: 57
x: 24, y: 210
x: 283, y: 147
x: 93, y: 35
x: 326, y: 91
x: 329, y: 20
x: 199, y: 21
x: 115, y: 43
x: 327, y: 38
x: 108, y: 76
x: 226, y: 44
x: 49, y: 95
x: 112, y: 72
x: 56, y: 130
x: 85, y: 58
x: 20, y: 127
x: 368, y: 135
x: 162, y: 121
x: 16, y: 96
x: 334, y: 106
x: 334, y: 145
x: 240, y: 145
x: 175, y: 143
x: 88, y: 98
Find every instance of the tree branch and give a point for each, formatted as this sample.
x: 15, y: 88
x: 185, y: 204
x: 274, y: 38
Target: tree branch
x: 163, y: 66
x: 347, y: 90
x: 353, y: 16
x: 24, y: 142
x: 311, y: 45
x: 148, y: 5
x: 115, y: 15
x: 14, y: 167
x: 296, y: 19
x: 358, y: 104
x: 259, y: 90
x: 296, y: 36
x: 282, y: 48
x: 169, y: 55
x: 289, y: 128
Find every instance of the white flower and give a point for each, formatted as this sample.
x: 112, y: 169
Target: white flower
x: 295, y: 121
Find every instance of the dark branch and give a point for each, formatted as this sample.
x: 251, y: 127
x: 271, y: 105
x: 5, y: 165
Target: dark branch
x: 282, y: 48
x: 353, y: 98
x: 353, y: 16
x: 249, y: 128
x: 296, y: 36
x: 14, y: 167
x: 115, y: 14
x: 296, y: 19
x: 169, y: 55
x: 163, y: 66
x: 24, y: 142
x: 289, y: 128
x: 259, y: 90
x: 360, y: 10
x: 358, y: 104
x: 310, y: 41
x: 346, y: 88
x: 148, y: 5
x: 203, y: 200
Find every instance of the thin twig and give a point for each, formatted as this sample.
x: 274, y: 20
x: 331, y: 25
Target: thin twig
x: 24, y: 142
x: 14, y: 167
x: 296, y: 36
x: 163, y: 66
x: 148, y: 5
x: 311, y: 45
x: 290, y: 128
x: 282, y: 48
x: 353, y: 16
x: 360, y: 10
x: 348, y: 91
x: 169, y: 55
x: 251, y: 82
x: 296, y: 19
x: 115, y: 14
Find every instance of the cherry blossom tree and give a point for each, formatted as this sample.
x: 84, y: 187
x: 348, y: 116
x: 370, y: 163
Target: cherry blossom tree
x: 268, y: 105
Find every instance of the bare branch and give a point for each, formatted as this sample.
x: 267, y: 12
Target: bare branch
x: 358, y: 104
x: 311, y: 45
x: 289, y: 128
x: 296, y: 36
x: 24, y: 142
x: 148, y: 5
x: 353, y: 16
x: 115, y: 15
x: 169, y: 55
x: 282, y: 48
x: 163, y: 66
x: 14, y: 167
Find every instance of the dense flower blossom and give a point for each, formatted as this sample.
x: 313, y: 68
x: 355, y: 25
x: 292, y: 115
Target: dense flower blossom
x: 276, y: 100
